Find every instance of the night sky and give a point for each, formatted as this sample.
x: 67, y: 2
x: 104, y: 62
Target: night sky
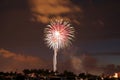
x: 97, y: 34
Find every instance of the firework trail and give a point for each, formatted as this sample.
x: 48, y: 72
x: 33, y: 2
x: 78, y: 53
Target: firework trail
x: 58, y: 35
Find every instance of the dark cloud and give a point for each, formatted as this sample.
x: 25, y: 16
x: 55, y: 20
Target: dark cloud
x: 10, y: 61
x: 100, y: 19
x: 13, y: 4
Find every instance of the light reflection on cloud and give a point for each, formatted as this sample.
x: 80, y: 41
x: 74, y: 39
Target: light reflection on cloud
x: 42, y: 10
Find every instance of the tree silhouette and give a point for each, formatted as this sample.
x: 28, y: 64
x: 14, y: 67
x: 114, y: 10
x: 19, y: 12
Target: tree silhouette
x: 26, y: 71
x: 82, y: 75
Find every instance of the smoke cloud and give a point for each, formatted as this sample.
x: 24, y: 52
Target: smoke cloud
x: 10, y: 61
x: 82, y: 63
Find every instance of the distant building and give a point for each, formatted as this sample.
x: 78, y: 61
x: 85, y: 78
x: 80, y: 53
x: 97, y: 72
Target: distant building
x: 117, y: 74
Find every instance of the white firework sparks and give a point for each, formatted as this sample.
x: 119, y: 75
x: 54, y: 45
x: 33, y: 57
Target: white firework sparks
x: 58, y: 34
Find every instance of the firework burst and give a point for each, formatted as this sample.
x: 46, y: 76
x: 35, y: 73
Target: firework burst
x: 58, y: 34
